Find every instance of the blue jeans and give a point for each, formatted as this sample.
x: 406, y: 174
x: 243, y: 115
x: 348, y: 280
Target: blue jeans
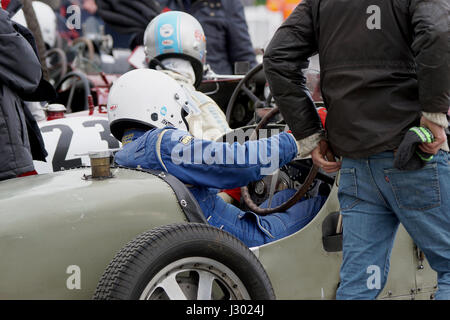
x: 252, y: 229
x: 374, y: 199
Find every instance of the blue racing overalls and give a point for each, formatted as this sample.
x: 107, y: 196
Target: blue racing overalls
x: 210, y: 166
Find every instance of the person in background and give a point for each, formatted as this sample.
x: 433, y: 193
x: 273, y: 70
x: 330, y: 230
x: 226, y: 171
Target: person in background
x: 119, y: 40
x: 226, y: 30
x: 224, y: 24
x: 89, y: 10
x: 20, y: 79
x: 384, y: 71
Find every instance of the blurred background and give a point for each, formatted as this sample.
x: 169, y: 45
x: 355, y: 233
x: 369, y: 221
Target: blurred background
x: 263, y: 18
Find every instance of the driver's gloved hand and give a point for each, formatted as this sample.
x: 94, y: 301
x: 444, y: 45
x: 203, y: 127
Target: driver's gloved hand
x: 409, y: 156
x: 307, y: 145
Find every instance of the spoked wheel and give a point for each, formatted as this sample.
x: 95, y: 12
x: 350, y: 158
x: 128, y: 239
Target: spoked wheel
x: 185, y: 262
x: 195, y: 278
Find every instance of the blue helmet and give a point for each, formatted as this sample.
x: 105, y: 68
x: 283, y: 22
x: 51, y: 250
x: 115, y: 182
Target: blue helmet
x: 176, y: 34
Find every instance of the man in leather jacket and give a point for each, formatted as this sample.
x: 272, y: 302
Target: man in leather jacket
x: 384, y: 69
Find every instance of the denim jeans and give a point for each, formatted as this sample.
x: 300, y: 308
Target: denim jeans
x: 252, y: 229
x: 374, y: 199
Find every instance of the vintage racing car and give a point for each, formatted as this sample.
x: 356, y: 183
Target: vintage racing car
x: 108, y: 232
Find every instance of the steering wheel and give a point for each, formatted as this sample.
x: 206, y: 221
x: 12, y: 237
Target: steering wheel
x: 243, y: 87
x: 57, y: 67
x: 76, y: 76
x: 82, y: 44
x: 291, y: 201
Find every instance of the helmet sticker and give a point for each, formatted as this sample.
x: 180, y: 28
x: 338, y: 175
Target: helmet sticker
x: 167, y: 33
x: 199, y: 36
x: 166, y: 30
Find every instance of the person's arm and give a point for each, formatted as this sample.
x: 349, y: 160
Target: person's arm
x: 430, y: 21
x: 239, y: 44
x: 286, y: 56
x: 222, y: 165
x: 20, y: 68
x: 90, y: 6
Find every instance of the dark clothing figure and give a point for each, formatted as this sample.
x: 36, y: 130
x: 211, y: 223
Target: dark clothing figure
x: 384, y: 69
x: 20, y: 79
x: 380, y: 67
x: 227, y: 37
x: 93, y: 20
x: 224, y: 24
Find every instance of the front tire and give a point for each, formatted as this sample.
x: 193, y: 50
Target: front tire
x: 185, y: 261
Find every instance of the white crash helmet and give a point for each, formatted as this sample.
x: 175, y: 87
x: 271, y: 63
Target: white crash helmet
x: 146, y: 99
x: 47, y: 21
x: 176, y: 34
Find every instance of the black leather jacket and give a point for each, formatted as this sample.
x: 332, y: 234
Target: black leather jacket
x: 382, y: 64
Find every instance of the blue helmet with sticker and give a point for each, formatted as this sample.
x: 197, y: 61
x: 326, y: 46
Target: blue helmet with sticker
x: 176, y: 34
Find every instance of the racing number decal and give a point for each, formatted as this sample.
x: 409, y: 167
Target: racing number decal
x: 59, y: 158
x: 59, y: 161
x: 105, y: 135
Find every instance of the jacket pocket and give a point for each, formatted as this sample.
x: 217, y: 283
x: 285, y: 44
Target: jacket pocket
x: 416, y: 190
x: 348, y: 190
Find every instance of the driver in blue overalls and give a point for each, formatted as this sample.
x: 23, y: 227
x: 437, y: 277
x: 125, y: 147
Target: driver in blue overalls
x: 147, y: 111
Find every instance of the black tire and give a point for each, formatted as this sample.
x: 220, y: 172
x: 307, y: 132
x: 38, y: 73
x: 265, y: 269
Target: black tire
x: 185, y: 252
